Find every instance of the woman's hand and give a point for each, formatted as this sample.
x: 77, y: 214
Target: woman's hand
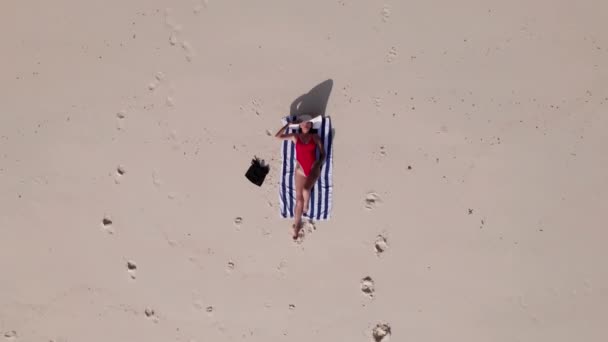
x: 318, y: 164
x: 282, y: 130
x: 285, y: 136
x: 321, y: 158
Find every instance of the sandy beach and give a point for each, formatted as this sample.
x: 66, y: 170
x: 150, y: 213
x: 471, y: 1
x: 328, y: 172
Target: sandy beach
x: 469, y: 171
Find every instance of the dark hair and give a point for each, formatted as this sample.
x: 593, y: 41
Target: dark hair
x: 312, y: 130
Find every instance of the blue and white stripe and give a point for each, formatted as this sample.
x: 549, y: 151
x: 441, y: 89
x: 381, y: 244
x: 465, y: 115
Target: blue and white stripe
x: 321, y: 193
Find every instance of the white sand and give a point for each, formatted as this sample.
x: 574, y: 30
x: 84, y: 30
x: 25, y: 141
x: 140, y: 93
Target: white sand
x: 499, y: 107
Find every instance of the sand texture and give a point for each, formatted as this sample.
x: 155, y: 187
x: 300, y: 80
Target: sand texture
x: 470, y: 171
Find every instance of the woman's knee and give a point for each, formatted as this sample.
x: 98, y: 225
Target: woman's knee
x: 300, y: 198
x: 310, y: 182
x: 305, y: 193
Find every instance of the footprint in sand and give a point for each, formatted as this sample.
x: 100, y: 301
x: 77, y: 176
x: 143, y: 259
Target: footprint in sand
x: 386, y: 13
x: 201, y: 4
x: 377, y: 102
x: 120, y: 120
x: 131, y: 268
x: 173, y: 39
x: 307, y: 228
x: 106, y: 224
x: 120, y: 170
x: 188, y: 50
x: 256, y: 106
x: 170, y: 102
x: 156, y: 180
x: 372, y: 199
x: 381, y: 332
x: 282, y: 268
x: 368, y: 287
x: 381, y: 245
x: 391, y: 55
x: 150, y: 314
x: 158, y: 78
x: 230, y: 266
x: 169, y: 20
x: 382, y: 151
x: 10, y: 335
x: 106, y: 221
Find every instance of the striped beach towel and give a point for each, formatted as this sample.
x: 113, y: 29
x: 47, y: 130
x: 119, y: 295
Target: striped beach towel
x: 321, y: 193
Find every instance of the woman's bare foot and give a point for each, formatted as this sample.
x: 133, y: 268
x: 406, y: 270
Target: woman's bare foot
x: 296, y: 231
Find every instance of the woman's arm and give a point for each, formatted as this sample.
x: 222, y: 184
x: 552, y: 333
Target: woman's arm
x: 321, y: 159
x: 284, y: 136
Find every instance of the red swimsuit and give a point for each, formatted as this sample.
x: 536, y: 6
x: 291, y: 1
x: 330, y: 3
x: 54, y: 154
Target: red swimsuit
x: 306, y: 154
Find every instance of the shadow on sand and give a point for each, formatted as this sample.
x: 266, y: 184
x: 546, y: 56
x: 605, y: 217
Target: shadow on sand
x: 313, y: 102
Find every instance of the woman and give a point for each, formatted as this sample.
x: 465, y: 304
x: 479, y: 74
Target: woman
x: 308, y: 167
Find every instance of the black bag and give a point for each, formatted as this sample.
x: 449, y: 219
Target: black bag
x: 257, y: 171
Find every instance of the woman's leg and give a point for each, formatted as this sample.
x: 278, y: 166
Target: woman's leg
x: 300, y: 180
x: 311, y: 179
x: 305, y: 198
x: 308, y: 184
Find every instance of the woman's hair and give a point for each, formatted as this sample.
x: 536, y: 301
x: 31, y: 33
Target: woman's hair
x: 311, y: 130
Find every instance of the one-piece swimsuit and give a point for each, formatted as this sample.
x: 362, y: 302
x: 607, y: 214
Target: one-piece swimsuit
x: 306, y: 154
